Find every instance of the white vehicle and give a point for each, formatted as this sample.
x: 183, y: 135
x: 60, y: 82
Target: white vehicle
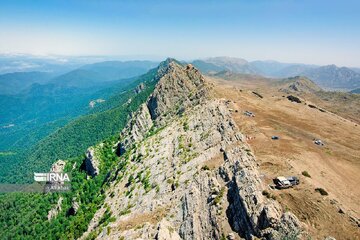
x: 285, y: 182
x: 319, y: 142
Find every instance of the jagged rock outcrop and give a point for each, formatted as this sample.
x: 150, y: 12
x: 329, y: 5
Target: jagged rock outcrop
x: 250, y: 213
x: 136, y: 129
x: 91, y: 162
x: 139, y: 88
x: 177, y: 89
x: 199, y: 218
x: 75, y: 205
x: 194, y: 178
x: 58, y: 166
x: 55, y: 210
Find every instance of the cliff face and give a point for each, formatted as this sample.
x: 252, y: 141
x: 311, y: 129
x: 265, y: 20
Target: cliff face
x: 178, y: 88
x: 136, y: 129
x: 189, y: 172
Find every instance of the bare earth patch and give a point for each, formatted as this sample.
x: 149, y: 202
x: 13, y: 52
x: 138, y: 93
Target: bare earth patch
x: 334, y: 167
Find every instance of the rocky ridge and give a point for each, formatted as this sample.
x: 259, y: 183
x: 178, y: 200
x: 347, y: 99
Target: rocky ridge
x: 189, y: 171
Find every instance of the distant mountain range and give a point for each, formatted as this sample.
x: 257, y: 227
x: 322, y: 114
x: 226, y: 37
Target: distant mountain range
x: 218, y: 64
x: 271, y: 68
x: 332, y: 76
x: 22, y: 71
x: 83, y: 77
x: 237, y: 65
x: 98, y: 73
x: 13, y: 83
x: 328, y: 77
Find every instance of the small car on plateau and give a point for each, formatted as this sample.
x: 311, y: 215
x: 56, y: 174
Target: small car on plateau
x: 319, y: 142
x: 285, y: 182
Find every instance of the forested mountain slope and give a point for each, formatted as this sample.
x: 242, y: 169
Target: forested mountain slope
x: 76, y: 135
x: 27, y: 217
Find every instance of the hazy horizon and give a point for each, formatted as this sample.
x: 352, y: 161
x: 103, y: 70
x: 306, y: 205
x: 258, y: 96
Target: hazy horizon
x: 89, y: 59
x: 320, y: 33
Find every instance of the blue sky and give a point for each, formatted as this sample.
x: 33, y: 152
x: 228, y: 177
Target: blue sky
x: 318, y: 32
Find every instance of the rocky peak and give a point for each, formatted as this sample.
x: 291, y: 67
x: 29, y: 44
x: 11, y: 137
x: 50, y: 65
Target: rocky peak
x: 164, y: 66
x: 178, y: 87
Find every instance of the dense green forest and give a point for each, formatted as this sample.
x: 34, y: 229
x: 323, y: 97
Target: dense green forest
x: 25, y: 215
x: 38, y: 103
x: 44, y: 108
x: 73, y: 139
